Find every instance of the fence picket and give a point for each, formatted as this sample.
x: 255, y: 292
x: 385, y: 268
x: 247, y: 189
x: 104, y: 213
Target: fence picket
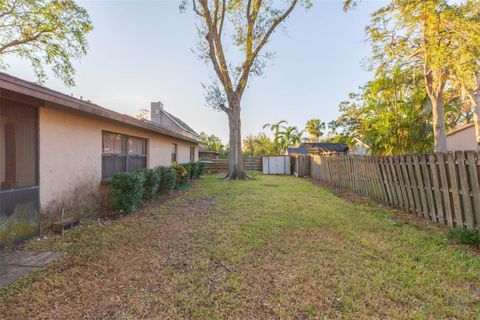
x: 452, y: 171
x: 414, y: 186
x: 391, y: 183
x: 406, y: 181
x: 465, y: 190
x: 421, y: 189
x: 445, y: 189
x: 472, y: 170
x: 436, y: 188
x: 401, y: 182
x: 383, y: 172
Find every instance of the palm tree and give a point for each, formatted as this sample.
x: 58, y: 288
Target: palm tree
x: 315, y: 128
x: 290, y: 136
x: 275, y: 127
x: 298, y: 138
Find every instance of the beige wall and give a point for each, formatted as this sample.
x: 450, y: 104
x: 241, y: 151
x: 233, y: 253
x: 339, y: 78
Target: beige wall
x: 462, y: 140
x: 71, y: 159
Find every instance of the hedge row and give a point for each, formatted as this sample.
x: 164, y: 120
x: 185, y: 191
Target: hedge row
x: 130, y: 188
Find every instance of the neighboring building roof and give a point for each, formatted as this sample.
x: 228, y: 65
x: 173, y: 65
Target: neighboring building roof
x: 180, y: 122
x: 297, y: 150
x: 56, y: 98
x: 460, y: 128
x: 326, y: 147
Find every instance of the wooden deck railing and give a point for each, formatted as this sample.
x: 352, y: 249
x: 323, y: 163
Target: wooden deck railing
x: 442, y: 187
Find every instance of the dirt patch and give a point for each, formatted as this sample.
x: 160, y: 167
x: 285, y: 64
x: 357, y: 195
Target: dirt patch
x: 270, y: 185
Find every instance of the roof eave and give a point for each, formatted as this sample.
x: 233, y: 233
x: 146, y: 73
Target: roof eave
x: 17, y: 85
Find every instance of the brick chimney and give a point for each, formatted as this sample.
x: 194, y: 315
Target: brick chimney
x: 156, y: 111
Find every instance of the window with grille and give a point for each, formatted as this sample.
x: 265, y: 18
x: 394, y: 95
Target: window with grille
x: 122, y: 153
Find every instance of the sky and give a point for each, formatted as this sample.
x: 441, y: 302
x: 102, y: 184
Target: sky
x: 141, y: 51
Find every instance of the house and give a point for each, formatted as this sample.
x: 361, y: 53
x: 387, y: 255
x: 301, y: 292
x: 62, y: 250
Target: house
x: 57, y: 153
x: 462, y: 138
x: 319, y: 148
x: 207, y: 155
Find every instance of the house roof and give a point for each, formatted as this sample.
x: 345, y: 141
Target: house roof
x: 55, y: 98
x: 297, y: 150
x: 180, y: 122
x: 460, y: 128
x: 326, y: 147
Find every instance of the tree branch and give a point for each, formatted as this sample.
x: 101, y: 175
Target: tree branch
x: 222, y: 18
x: 194, y: 6
x: 251, y: 57
x: 18, y: 42
x: 216, y: 50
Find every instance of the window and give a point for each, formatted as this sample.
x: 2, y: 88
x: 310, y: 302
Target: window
x: 122, y: 153
x: 18, y: 145
x: 174, y: 152
x: 192, y: 154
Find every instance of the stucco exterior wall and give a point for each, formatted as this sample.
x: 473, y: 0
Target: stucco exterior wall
x: 462, y: 140
x: 70, y: 159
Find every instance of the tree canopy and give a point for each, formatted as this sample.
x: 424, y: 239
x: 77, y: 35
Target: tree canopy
x: 425, y: 58
x: 46, y: 33
x: 315, y: 129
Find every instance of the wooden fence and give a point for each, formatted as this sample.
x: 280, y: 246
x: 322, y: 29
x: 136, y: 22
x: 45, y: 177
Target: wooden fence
x: 221, y: 165
x: 442, y: 187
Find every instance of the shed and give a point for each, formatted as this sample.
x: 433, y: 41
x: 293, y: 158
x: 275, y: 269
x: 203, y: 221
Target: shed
x: 462, y: 138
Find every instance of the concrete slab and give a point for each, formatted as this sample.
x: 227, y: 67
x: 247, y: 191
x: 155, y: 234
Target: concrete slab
x: 17, y: 264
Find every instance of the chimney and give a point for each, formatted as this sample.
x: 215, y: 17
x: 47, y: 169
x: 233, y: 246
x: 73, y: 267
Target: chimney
x: 156, y: 111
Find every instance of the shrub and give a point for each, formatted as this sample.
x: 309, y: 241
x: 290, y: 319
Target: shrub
x: 182, y: 174
x: 152, y: 181
x: 127, y: 190
x: 168, y: 179
x: 188, y: 167
x: 252, y: 175
x: 200, y: 169
x: 193, y: 170
x: 466, y: 236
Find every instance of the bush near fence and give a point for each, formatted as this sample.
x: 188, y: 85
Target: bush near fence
x: 442, y: 187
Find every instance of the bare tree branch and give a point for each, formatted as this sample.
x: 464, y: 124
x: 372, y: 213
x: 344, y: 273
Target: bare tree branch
x: 251, y: 57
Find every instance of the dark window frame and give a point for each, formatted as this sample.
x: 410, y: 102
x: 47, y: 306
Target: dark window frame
x: 192, y: 154
x: 175, y: 154
x: 124, y: 156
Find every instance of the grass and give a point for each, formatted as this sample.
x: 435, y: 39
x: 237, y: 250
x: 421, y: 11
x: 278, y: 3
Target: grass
x: 272, y: 247
x: 466, y: 236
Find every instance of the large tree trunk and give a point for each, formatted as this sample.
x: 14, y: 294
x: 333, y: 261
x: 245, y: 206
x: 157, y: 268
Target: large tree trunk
x: 439, y: 131
x: 235, y: 168
x: 476, y: 119
x: 475, y: 100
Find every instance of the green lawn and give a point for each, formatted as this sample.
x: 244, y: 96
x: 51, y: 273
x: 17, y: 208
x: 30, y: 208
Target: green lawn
x: 274, y: 247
